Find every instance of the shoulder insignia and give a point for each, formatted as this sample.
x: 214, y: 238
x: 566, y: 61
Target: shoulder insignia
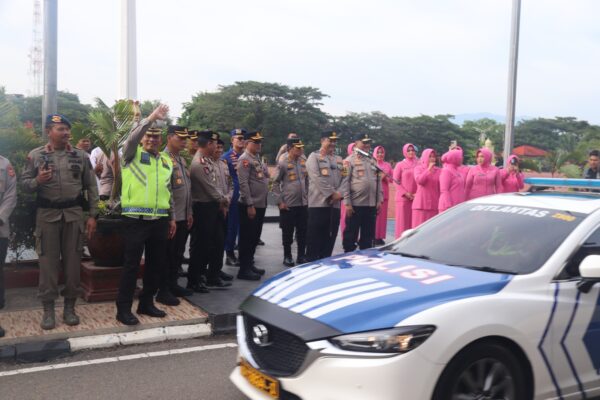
x: 11, y: 171
x: 245, y: 163
x: 206, y: 171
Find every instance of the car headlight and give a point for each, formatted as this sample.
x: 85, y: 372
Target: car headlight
x: 394, y: 340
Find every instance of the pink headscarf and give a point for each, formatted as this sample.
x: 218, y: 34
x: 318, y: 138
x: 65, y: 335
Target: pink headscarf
x: 405, y: 152
x: 424, y: 160
x: 511, y: 157
x: 487, y: 159
x: 382, y: 162
x: 350, y: 148
x: 453, y: 157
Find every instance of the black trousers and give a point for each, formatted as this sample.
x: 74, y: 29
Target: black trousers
x: 294, y: 219
x: 151, y: 237
x: 362, y: 221
x: 175, y: 251
x: 250, y: 230
x: 3, y: 250
x: 206, y: 251
x: 323, y: 225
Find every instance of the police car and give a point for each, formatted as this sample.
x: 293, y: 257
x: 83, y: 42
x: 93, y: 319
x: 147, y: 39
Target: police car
x: 493, y: 299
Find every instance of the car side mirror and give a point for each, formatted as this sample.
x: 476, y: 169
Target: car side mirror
x: 589, y: 269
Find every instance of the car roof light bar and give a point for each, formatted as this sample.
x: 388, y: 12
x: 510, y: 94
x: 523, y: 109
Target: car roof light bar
x: 563, y: 182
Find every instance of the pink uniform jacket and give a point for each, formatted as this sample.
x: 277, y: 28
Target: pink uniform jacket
x: 483, y: 180
x: 452, y: 183
x: 425, y: 204
x: 511, y: 181
x: 381, y: 222
x: 405, y: 183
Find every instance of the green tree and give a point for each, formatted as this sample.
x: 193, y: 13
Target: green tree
x: 486, y: 128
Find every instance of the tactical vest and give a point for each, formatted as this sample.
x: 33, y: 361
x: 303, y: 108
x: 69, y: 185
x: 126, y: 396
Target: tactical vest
x: 145, y: 188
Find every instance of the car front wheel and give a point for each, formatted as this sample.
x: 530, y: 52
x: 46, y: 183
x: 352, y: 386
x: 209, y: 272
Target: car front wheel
x: 483, y: 371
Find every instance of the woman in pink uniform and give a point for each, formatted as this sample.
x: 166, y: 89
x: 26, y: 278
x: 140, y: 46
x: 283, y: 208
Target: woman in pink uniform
x: 427, y: 176
x: 452, y: 183
x: 343, y: 208
x: 512, y: 178
x: 405, y: 188
x: 381, y: 222
x: 484, y: 178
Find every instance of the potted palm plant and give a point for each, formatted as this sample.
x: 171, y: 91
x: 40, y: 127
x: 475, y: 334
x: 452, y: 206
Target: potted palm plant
x: 110, y: 127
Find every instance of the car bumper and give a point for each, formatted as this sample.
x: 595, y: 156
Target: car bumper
x: 341, y: 377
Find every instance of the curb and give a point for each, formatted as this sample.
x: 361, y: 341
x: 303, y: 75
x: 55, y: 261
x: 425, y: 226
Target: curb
x: 51, y: 349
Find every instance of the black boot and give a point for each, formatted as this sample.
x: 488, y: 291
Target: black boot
x: 126, y: 317
x: 69, y: 315
x: 48, y: 319
x: 288, y: 261
x: 231, y: 259
x: 167, y: 298
x: 180, y: 291
x: 258, y: 271
x: 147, y: 307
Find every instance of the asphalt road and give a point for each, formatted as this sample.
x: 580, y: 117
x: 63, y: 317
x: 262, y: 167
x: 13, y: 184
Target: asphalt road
x: 200, y: 372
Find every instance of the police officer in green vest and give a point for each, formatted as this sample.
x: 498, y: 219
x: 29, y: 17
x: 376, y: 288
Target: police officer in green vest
x: 148, y: 208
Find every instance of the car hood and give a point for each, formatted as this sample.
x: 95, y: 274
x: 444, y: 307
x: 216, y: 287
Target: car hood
x: 371, y: 289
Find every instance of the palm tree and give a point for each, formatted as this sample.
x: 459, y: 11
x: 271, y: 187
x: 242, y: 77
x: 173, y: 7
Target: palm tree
x: 110, y: 128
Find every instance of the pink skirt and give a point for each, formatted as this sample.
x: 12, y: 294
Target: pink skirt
x: 420, y: 216
x: 381, y: 222
x: 403, y: 217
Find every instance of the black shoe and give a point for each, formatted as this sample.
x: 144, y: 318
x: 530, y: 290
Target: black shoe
x: 301, y: 260
x: 258, y: 271
x: 225, y: 276
x: 198, y: 288
x: 126, y: 317
x: 378, y: 242
x: 217, y: 283
x: 2, y: 332
x: 248, y: 276
x: 261, y: 243
x: 288, y: 261
x: 180, y: 291
x: 167, y: 298
x: 150, y: 310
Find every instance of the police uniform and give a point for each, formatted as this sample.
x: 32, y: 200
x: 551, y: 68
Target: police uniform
x: 362, y: 191
x: 147, y: 204
x: 8, y: 201
x: 291, y: 188
x: 181, y: 187
x: 325, y: 175
x: 206, y: 256
x: 233, y: 216
x: 253, y: 178
x: 60, y: 223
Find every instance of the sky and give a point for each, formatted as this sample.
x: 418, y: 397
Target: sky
x: 400, y: 57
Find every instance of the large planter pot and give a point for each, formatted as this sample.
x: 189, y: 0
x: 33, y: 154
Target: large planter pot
x: 107, y: 246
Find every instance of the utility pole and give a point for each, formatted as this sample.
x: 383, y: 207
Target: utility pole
x: 128, y: 81
x: 512, y: 80
x: 50, y: 59
x: 35, y: 53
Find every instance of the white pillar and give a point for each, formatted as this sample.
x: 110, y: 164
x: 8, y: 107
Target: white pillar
x: 50, y: 58
x: 512, y: 80
x: 128, y: 80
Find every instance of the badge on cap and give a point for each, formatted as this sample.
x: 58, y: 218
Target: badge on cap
x: 56, y: 118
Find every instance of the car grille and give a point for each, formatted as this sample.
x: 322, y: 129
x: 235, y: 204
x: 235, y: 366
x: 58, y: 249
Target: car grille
x: 285, y: 353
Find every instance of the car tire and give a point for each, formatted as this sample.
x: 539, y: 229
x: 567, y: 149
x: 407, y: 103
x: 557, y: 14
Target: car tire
x: 483, y: 371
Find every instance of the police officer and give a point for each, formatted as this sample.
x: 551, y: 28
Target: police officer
x: 233, y: 218
x: 325, y: 174
x: 60, y: 174
x: 182, y: 203
x: 291, y: 191
x: 363, y: 195
x: 8, y: 201
x: 253, y: 177
x: 210, y: 206
x: 147, y: 203
x: 284, y: 148
x: 226, y: 188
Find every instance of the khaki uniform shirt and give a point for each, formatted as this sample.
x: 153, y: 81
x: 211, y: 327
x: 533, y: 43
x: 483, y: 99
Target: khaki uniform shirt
x: 206, y: 187
x: 225, y: 181
x: 325, y: 175
x: 8, y: 195
x: 181, y: 186
x: 72, y: 174
x: 363, y: 187
x: 253, y: 176
x: 291, y: 182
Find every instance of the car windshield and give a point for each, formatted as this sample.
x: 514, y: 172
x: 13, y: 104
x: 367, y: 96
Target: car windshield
x: 496, y: 238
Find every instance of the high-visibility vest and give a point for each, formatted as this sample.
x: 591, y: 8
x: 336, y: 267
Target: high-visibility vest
x: 145, y: 187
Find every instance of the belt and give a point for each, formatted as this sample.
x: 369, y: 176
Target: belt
x: 45, y: 203
x: 160, y: 212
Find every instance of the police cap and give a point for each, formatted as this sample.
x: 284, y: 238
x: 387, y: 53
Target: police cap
x: 57, y: 119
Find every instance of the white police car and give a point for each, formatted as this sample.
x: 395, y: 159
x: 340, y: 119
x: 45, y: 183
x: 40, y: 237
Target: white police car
x: 493, y: 299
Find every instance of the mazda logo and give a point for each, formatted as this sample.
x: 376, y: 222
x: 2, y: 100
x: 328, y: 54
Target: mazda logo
x: 260, y: 335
